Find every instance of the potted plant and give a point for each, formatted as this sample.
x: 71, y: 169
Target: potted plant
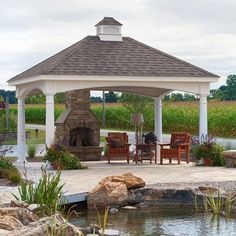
x: 54, y: 156
x: 209, y: 152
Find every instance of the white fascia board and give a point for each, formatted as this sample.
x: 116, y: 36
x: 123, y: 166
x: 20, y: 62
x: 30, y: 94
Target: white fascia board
x: 113, y: 78
x: 24, y: 80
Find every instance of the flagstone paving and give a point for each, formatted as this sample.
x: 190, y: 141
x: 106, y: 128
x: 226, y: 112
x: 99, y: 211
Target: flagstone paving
x: 174, y: 176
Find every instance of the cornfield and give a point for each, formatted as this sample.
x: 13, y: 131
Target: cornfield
x: 177, y: 116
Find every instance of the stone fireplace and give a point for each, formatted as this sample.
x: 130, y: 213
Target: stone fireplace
x: 77, y: 127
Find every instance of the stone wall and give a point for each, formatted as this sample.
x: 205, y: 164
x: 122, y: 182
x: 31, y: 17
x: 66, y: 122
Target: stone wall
x: 6, y: 136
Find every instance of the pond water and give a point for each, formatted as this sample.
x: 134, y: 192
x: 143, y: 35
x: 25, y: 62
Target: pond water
x: 170, y: 221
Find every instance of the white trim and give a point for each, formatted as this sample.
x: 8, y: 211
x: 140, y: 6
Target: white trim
x: 21, y: 145
x: 91, y: 78
x: 203, y: 127
x: 50, y: 130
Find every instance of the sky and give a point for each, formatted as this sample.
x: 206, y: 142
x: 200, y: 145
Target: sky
x: 202, y: 32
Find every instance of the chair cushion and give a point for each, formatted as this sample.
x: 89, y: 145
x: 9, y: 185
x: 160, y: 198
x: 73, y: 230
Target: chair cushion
x: 108, y: 139
x: 117, y: 143
x: 178, y: 141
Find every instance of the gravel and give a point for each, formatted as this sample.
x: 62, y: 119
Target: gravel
x: 226, y: 186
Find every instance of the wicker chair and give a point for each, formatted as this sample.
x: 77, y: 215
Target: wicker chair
x: 179, y: 144
x: 116, y: 153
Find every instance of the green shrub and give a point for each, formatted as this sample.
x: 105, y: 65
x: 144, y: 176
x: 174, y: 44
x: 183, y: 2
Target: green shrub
x: 70, y: 162
x: 6, y: 164
x: 62, y: 159
x: 9, y: 171
x: 210, y: 150
x: 14, y: 175
x: 47, y: 192
x: 31, y: 150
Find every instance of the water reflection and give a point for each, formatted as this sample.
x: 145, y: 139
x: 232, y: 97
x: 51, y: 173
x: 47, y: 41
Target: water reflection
x: 154, y: 222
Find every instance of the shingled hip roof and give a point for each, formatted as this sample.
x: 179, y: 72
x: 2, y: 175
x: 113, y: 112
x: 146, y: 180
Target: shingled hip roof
x: 91, y: 56
x: 108, y: 21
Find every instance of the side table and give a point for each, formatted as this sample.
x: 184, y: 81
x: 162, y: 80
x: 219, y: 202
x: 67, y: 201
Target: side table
x: 142, y: 147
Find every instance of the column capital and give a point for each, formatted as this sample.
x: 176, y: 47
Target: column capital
x: 20, y: 101
x: 203, y: 95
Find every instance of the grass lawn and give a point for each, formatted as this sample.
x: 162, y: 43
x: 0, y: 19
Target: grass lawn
x: 33, y: 139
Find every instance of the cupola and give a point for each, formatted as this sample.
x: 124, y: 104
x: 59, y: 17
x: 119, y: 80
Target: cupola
x: 109, y: 29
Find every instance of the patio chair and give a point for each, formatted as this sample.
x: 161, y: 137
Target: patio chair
x: 118, y: 146
x: 179, y: 145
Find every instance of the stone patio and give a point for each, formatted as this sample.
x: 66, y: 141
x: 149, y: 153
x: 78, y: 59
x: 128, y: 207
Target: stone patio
x: 184, y: 175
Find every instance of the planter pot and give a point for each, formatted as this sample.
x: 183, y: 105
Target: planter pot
x: 57, y: 165
x: 49, y: 165
x: 207, y: 162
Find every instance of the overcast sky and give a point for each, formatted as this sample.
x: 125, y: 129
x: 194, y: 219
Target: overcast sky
x: 202, y: 32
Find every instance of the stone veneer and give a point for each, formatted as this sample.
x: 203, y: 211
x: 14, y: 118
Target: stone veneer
x: 77, y: 127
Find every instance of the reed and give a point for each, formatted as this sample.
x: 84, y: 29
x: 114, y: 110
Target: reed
x: 47, y: 192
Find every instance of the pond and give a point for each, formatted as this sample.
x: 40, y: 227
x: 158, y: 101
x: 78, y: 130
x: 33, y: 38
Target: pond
x: 168, y: 221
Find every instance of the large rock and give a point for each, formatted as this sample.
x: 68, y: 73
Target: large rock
x: 131, y: 181
x: 113, y: 190
x: 22, y: 214
x: 10, y: 223
x: 108, y: 193
x: 47, y: 225
x: 17, y: 203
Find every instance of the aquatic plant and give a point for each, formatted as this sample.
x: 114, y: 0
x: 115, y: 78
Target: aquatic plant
x: 46, y: 192
x: 216, y: 202
x: 102, y: 220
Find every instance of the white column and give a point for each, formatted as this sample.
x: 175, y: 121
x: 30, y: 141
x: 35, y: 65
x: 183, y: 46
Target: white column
x: 202, y: 116
x: 158, y: 118
x: 21, y: 148
x: 50, y: 129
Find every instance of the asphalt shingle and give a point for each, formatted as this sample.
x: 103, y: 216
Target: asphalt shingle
x: 91, y: 56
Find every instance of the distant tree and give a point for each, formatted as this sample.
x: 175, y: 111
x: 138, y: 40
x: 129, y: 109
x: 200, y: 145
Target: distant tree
x: 10, y: 94
x: 111, y: 97
x: 231, y: 87
x: 217, y: 94
x: 60, y: 98
x: 35, y: 99
x: 135, y: 103
x: 189, y: 97
x: 176, y: 97
x: 167, y: 98
x: 96, y: 99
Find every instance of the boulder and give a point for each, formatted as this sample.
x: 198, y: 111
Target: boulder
x: 131, y: 181
x: 208, y: 190
x: 22, y: 214
x: 9, y: 223
x: 47, y: 225
x: 17, y: 203
x: 113, y: 210
x: 33, y: 207
x: 3, y: 232
x: 108, y: 193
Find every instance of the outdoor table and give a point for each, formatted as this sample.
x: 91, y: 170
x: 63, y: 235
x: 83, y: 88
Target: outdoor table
x: 142, y: 147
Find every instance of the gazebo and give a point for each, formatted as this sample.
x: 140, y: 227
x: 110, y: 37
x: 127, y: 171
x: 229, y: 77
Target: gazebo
x: 110, y: 62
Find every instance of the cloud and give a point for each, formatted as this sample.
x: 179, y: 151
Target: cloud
x: 203, y: 32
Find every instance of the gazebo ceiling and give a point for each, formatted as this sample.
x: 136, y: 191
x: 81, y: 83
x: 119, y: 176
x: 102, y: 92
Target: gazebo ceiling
x: 145, y: 91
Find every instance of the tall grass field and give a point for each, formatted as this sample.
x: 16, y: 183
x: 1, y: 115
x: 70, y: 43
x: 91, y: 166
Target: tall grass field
x: 177, y: 116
